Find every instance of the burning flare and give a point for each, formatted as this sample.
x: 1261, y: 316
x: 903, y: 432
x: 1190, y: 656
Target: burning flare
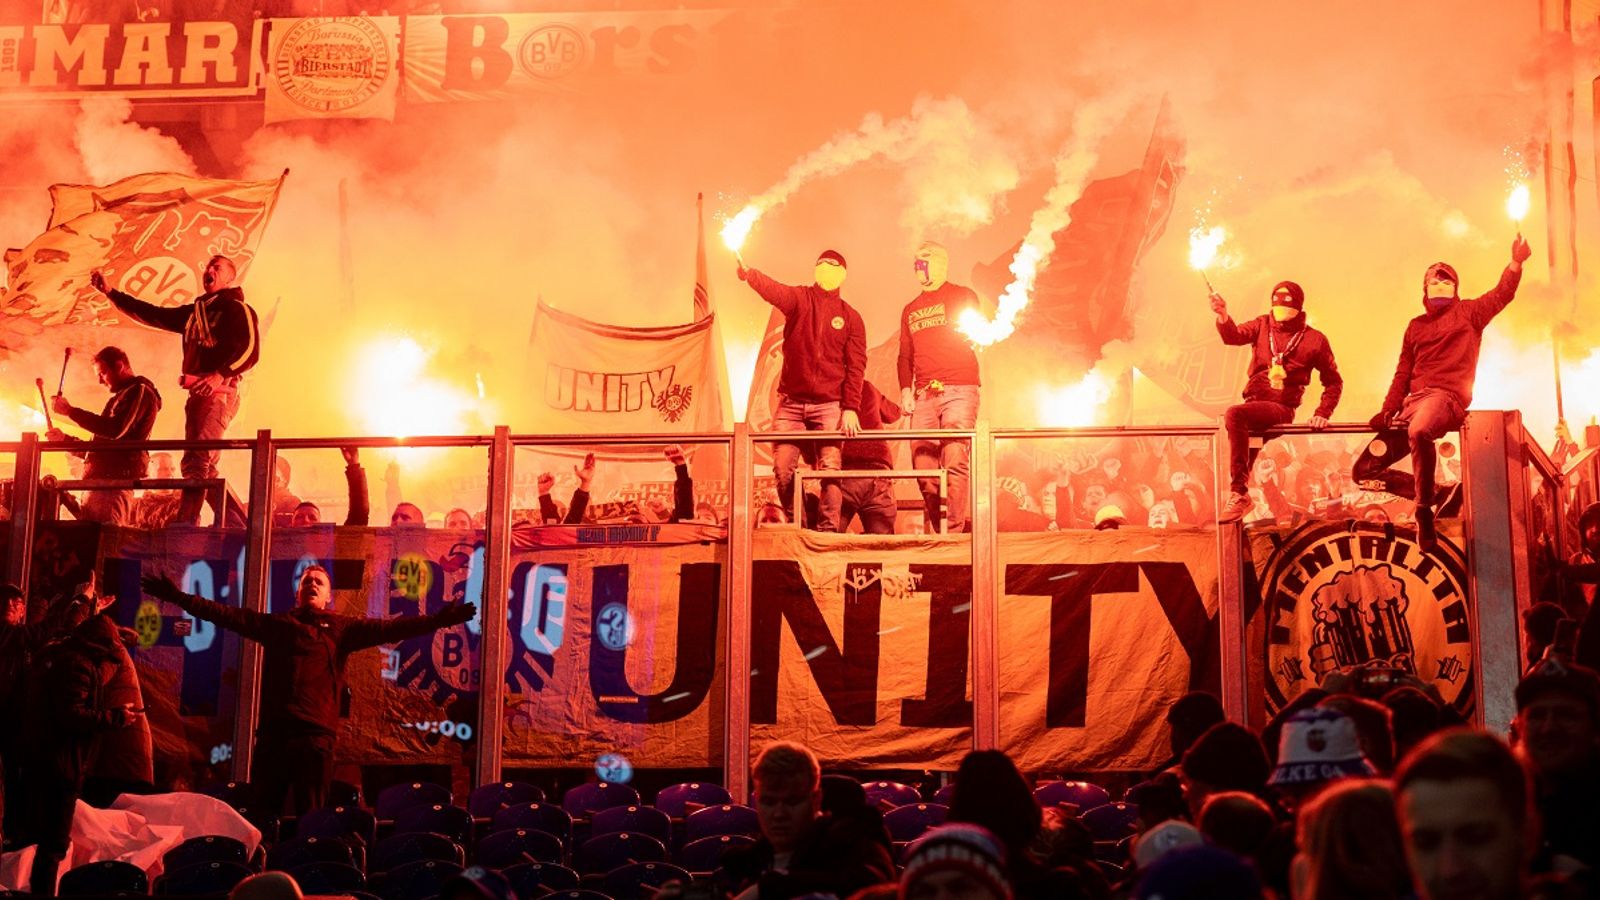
x: 1517, y: 204
x: 1075, y: 405
x: 1072, y: 171
x: 1204, y: 244
x: 736, y: 229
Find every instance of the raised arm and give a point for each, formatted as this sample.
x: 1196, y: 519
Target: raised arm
x: 682, y: 485
x: 1485, y: 308
x: 786, y: 297
x: 166, y: 318
x: 371, y: 632
x: 1236, y: 335
x: 245, y: 622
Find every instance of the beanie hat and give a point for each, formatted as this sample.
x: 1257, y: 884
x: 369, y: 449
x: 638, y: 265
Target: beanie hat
x: 1297, y: 294
x: 1169, y: 835
x: 832, y: 256
x: 1317, y: 746
x: 1228, y: 757
x: 1199, y: 871
x: 962, y: 847
x: 1553, y: 676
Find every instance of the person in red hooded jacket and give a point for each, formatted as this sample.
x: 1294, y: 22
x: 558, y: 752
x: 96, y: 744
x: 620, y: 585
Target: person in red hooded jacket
x: 1432, y: 385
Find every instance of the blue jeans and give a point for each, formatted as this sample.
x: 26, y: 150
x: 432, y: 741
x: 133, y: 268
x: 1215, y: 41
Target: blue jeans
x: 204, y: 419
x: 1427, y: 416
x: 954, y: 407
x: 794, y: 415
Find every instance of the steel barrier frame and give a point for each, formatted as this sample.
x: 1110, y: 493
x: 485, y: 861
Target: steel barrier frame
x: 1496, y: 451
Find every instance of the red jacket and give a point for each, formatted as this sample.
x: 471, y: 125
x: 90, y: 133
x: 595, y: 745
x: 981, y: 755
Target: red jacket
x: 1440, y: 349
x: 824, y: 343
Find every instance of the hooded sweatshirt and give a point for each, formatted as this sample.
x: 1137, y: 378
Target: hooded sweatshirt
x: 1440, y: 348
x: 1305, y: 349
x: 220, y: 333
x: 824, y: 343
x: 129, y: 415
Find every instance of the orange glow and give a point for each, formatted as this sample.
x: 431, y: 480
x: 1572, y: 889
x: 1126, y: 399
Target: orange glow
x: 1517, y: 204
x: 395, y: 394
x: 1204, y: 244
x: 1075, y: 405
x: 17, y: 419
x: 737, y: 229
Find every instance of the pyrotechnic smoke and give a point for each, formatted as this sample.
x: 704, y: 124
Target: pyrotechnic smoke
x: 1072, y: 170
x: 113, y: 147
x: 955, y: 168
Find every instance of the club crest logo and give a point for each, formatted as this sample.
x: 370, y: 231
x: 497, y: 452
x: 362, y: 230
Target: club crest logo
x: 332, y: 65
x: 1342, y: 595
x: 553, y: 51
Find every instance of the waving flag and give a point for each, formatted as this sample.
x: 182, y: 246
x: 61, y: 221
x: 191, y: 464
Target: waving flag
x: 151, y: 236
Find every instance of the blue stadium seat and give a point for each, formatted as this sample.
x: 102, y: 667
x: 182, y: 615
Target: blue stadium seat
x: 945, y: 794
x: 1111, y: 822
x: 705, y: 854
x: 328, y: 878
x: 1081, y: 794
x: 533, y: 879
x: 300, y: 851
x: 339, y: 822
x: 397, y: 798
x: 240, y: 795
x: 906, y: 823
x: 216, y: 877
x: 584, y: 800
x: 203, y: 849
x: 398, y: 849
x: 892, y: 793
x: 640, y: 881
x: 599, y: 855
x: 641, y: 819
x: 536, y: 816
x: 109, y: 876
x: 417, y: 880
x: 453, y: 822
x: 675, y: 799
x: 514, y: 846
x: 729, y: 818
x: 485, y: 799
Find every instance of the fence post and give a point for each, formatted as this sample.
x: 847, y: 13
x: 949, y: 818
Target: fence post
x: 492, y: 612
x: 736, y: 598
x: 985, y: 615
x: 1494, y: 526
x: 257, y: 561
x: 24, y: 512
x: 1232, y: 629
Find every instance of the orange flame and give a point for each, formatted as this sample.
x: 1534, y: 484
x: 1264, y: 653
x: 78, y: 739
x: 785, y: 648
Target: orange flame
x: 1204, y: 244
x: 1517, y: 204
x: 1075, y: 405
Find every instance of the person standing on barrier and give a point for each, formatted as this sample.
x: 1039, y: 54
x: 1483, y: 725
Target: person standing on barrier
x: 938, y: 372
x: 302, y: 678
x: 1432, y: 385
x: 1284, y: 351
x: 129, y: 415
x: 824, y: 363
x: 870, y: 498
x: 221, y: 341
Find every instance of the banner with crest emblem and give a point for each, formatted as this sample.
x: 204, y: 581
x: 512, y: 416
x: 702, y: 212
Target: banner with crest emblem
x: 591, y: 378
x: 333, y: 68
x: 151, y: 236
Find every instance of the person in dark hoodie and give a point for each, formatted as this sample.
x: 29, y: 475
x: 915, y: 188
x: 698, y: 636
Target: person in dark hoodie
x: 129, y: 415
x: 1284, y: 353
x: 73, y: 705
x: 1432, y: 385
x: 870, y: 498
x: 824, y: 364
x: 221, y: 341
x: 20, y: 642
x: 302, y: 678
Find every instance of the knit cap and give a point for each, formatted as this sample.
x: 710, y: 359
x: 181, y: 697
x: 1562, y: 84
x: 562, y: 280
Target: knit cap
x: 962, y: 847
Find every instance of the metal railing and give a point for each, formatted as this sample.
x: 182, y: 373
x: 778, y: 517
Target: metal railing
x: 1495, y: 452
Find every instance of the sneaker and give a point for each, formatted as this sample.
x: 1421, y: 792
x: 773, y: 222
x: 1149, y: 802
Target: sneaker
x: 1427, y: 539
x: 1234, y: 510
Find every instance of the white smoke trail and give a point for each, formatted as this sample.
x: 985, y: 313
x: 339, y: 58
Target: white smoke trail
x: 1090, y: 125
x: 114, y: 148
x: 955, y: 164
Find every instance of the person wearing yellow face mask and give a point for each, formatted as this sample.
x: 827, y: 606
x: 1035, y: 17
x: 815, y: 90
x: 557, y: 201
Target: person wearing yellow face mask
x: 939, y: 378
x: 1284, y: 353
x: 824, y: 363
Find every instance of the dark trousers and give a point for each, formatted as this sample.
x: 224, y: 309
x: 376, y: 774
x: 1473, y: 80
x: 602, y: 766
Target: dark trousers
x: 872, y: 500
x: 204, y: 419
x: 52, y: 799
x: 1240, y: 421
x: 293, y: 769
x: 1426, y: 417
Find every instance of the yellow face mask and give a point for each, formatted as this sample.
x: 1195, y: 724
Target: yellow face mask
x: 829, y: 275
x: 1284, y: 313
x: 932, y: 266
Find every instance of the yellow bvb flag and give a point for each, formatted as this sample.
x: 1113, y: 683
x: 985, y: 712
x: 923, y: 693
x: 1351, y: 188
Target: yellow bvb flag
x: 151, y: 236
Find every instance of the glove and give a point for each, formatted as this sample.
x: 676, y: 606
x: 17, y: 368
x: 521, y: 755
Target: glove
x: 459, y: 613
x: 743, y: 273
x: 161, y: 587
x: 1380, y: 422
x: 1520, y: 251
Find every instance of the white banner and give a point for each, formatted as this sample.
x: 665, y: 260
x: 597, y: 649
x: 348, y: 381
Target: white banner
x: 333, y: 68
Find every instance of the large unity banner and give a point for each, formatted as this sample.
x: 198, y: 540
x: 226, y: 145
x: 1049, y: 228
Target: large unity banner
x: 860, y: 646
